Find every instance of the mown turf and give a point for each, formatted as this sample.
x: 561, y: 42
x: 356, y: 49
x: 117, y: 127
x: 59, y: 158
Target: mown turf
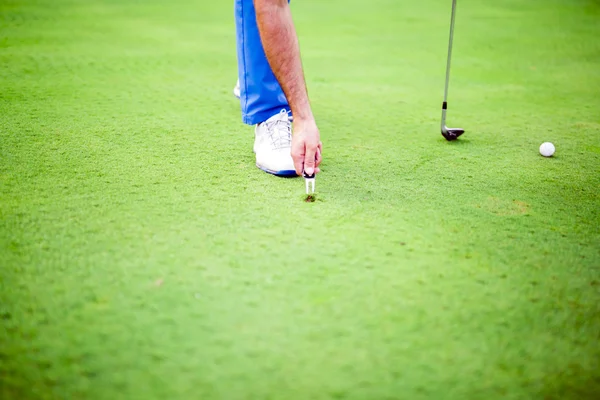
x: 144, y: 256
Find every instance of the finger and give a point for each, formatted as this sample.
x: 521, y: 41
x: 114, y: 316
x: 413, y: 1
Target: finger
x: 298, y: 158
x: 318, y: 157
x: 309, y: 160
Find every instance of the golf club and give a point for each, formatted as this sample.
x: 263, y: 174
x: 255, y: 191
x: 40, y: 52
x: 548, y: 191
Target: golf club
x: 449, y: 133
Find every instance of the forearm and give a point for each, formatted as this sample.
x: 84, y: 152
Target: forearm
x: 281, y: 47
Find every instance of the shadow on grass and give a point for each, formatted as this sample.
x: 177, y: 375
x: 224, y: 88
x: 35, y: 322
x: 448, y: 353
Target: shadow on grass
x: 458, y: 142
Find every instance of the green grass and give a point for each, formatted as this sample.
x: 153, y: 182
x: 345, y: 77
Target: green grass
x: 143, y: 255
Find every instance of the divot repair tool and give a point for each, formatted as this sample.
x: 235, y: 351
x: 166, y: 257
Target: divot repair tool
x: 310, y: 182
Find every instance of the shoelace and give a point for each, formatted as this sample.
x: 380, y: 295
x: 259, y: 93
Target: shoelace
x: 280, y: 131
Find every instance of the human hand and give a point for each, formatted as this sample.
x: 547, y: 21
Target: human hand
x: 306, y: 147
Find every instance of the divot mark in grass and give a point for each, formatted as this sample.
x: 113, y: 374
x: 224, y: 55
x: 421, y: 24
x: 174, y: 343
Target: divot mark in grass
x: 504, y: 207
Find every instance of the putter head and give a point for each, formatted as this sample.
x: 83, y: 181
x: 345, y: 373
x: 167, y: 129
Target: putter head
x: 451, y: 133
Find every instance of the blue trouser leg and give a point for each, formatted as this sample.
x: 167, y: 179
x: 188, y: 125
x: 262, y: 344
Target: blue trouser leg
x: 261, y: 96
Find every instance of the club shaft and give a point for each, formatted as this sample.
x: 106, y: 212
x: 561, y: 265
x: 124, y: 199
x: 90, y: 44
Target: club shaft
x: 449, y: 51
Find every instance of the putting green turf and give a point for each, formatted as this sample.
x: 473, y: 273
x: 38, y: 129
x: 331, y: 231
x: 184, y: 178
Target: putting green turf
x: 144, y: 256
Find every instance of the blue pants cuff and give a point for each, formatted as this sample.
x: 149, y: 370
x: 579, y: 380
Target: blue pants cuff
x: 261, y: 96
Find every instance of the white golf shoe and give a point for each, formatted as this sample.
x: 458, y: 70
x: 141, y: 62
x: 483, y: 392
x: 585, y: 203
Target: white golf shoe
x: 236, y: 89
x: 273, y: 145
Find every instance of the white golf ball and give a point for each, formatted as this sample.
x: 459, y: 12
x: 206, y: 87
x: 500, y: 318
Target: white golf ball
x: 547, y: 149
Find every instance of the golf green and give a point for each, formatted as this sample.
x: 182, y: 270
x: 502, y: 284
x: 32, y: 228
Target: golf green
x: 144, y: 256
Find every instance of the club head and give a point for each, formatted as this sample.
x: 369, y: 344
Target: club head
x: 451, y: 133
